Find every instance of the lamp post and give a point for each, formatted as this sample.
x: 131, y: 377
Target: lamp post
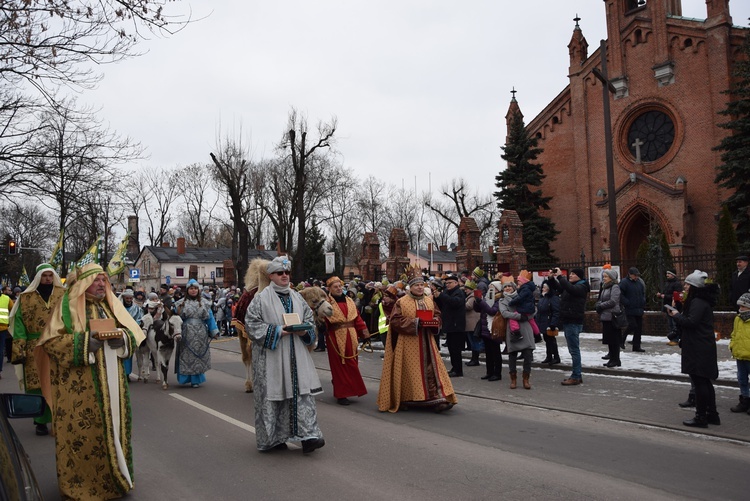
x: 607, y: 87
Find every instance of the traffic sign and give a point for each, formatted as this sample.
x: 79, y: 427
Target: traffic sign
x: 167, y: 279
x: 135, y: 275
x: 213, y: 275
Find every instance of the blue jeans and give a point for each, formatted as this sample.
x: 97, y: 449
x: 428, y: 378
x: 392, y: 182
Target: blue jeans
x: 743, y: 370
x: 572, y: 332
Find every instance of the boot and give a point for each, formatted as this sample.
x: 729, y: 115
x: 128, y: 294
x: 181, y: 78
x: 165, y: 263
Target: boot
x: 526, y: 383
x: 474, y: 359
x: 690, y: 402
x: 513, y: 380
x: 743, y: 406
x: 547, y: 360
x: 555, y: 359
x: 697, y: 422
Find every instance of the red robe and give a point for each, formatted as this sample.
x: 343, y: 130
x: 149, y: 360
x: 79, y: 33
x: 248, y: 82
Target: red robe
x: 342, y: 343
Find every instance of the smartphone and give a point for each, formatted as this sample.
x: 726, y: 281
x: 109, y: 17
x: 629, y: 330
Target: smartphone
x: 669, y: 308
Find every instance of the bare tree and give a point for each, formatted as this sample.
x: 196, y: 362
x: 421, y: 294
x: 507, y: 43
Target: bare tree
x: 161, y: 203
x: 35, y: 232
x: 199, y: 201
x: 461, y: 203
x: 339, y: 213
x: 51, y: 43
x: 231, y: 167
x: 403, y: 210
x: 371, y: 203
x: 302, y: 150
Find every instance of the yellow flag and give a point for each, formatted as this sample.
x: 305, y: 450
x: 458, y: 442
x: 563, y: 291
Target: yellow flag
x: 117, y: 263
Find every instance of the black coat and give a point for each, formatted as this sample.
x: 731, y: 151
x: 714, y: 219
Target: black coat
x: 740, y: 285
x: 548, y: 311
x: 633, y: 296
x: 452, y: 305
x: 670, y: 286
x: 698, y: 341
x: 572, y: 299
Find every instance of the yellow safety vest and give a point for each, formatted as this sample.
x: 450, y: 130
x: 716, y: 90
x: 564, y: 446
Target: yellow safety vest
x: 382, y: 320
x: 4, y: 311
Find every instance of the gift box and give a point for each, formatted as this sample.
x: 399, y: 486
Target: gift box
x: 424, y: 314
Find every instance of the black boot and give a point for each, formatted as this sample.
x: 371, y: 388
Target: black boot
x: 713, y: 418
x: 697, y: 422
x: 547, y: 360
x: 555, y: 359
x: 690, y: 402
x: 474, y: 359
x: 743, y: 406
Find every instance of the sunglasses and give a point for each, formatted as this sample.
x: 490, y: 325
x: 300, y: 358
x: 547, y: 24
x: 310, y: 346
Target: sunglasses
x: 280, y: 273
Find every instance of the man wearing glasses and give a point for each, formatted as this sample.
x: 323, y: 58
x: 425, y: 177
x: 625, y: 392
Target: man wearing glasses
x: 285, y: 378
x: 575, y: 291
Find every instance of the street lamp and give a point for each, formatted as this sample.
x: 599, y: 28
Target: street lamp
x: 607, y: 87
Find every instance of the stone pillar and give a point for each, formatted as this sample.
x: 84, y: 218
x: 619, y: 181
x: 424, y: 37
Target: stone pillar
x: 468, y: 253
x: 398, y: 259
x: 369, y: 264
x: 511, y: 254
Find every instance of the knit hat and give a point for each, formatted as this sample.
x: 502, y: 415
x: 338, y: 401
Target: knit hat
x: 634, y: 271
x: 128, y: 293
x: 579, y: 271
x: 610, y: 273
x: 744, y: 300
x: 497, y: 285
x: 478, y: 272
x: 697, y: 278
x: 510, y: 283
x: 672, y: 272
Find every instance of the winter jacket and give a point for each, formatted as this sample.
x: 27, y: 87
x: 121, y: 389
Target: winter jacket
x: 740, y: 343
x: 698, y: 341
x: 572, y: 299
x: 524, y: 301
x: 609, y: 301
x: 633, y: 296
x: 548, y: 311
x: 740, y: 285
x: 472, y: 317
x: 527, y: 334
x: 670, y: 286
x: 452, y: 304
x: 487, y: 313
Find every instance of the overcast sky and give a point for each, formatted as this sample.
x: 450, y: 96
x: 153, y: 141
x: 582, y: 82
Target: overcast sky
x: 420, y: 87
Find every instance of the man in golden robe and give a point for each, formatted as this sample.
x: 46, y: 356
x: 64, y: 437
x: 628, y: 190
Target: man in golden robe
x: 83, y: 380
x: 29, y: 317
x: 413, y: 371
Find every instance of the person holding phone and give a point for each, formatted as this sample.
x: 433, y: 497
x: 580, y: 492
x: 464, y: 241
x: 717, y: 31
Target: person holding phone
x: 488, y: 308
x: 574, y: 291
x: 672, y: 287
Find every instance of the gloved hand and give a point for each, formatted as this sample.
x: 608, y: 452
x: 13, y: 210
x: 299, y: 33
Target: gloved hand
x: 94, y: 344
x: 598, y: 308
x: 117, y: 343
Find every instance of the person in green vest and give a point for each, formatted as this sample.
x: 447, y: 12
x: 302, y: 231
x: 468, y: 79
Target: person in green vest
x: 30, y: 315
x: 6, y: 304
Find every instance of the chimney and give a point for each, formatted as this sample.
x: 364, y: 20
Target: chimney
x: 180, y: 246
x: 165, y: 244
x: 443, y: 248
x: 429, y: 247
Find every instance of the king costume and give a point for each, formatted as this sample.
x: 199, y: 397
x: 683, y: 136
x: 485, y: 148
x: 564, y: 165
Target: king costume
x: 87, y: 389
x: 29, y: 317
x: 284, y: 376
x: 413, y: 371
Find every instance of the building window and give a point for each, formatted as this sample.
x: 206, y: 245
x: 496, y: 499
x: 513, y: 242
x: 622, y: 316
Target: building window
x: 650, y: 136
x: 179, y: 272
x: 440, y: 267
x: 219, y: 272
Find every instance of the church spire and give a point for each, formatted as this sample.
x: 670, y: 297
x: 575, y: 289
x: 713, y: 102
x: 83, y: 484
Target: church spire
x: 513, y: 109
x: 578, y: 48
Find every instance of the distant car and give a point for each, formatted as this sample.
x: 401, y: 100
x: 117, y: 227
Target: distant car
x: 17, y: 480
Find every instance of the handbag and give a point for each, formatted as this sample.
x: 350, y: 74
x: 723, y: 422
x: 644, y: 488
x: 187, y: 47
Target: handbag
x: 619, y: 319
x: 499, y: 326
x: 553, y: 332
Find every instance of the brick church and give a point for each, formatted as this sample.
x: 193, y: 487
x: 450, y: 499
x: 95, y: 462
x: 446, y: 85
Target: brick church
x: 667, y: 74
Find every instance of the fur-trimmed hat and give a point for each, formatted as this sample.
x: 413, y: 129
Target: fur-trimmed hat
x: 697, y: 278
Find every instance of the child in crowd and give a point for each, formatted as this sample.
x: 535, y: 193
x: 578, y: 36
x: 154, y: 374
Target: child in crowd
x: 740, y: 348
x: 524, y: 303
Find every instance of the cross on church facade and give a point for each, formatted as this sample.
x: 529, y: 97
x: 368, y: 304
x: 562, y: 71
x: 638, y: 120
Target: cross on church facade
x: 637, y: 145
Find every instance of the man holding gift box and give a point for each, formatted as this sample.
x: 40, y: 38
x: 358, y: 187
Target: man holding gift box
x: 413, y: 371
